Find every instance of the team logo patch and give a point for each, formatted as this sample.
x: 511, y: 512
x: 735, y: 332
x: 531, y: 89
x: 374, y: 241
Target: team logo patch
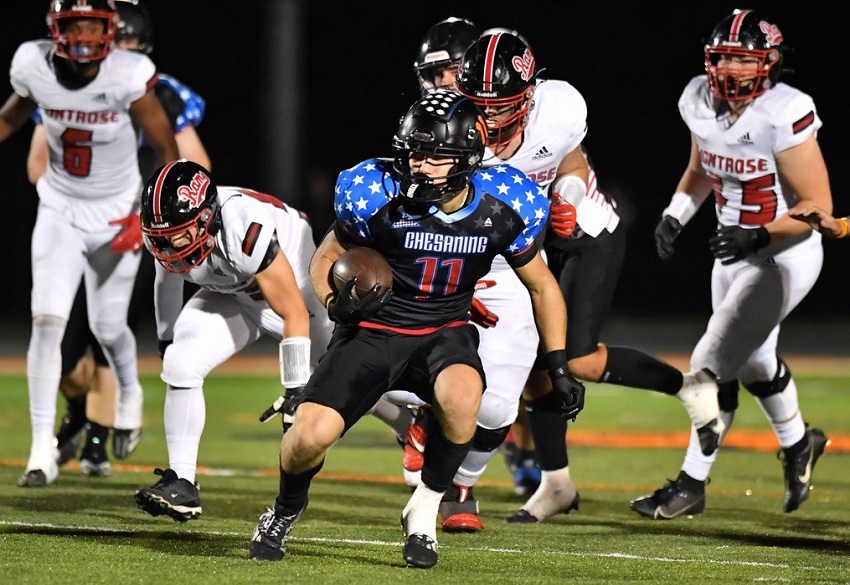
x: 195, y: 191
x: 524, y: 65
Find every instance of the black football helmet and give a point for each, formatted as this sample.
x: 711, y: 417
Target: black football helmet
x: 180, y: 199
x: 443, y: 45
x: 82, y: 48
x: 744, y: 33
x: 498, y: 71
x: 134, y: 22
x: 441, y: 123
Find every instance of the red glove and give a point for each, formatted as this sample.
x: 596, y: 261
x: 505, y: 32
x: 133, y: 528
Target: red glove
x: 128, y: 239
x: 562, y: 216
x: 481, y: 315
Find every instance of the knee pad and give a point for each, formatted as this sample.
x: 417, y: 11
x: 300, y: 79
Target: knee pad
x: 488, y: 440
x: 727, y: 396
x: 180, y: 370
x: 775, y: 386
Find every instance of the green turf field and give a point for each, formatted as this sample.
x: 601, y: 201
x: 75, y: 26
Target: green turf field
x: 83, y: 530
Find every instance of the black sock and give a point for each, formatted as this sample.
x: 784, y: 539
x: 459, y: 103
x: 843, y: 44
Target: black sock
x: 294, y: 488
x: 442, y: 460
x: 690, y: 483
x: 633, y: 368
x: 549, y: 430
x: 97, y: 434
x: 76, y: 413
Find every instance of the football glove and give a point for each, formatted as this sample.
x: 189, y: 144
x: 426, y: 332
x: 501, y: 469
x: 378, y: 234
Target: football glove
x: 347, y: 309
x: 481, y: 315
x: 733, y: 243
x: 666, y: 232
x: 570, y: 390
x: 562, y: 216
x: 129, y: 239
x: 284, y: 406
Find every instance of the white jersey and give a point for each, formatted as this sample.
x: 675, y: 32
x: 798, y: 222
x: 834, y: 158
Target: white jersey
x: 740, y: 157
x: 557, y: 124
x: 89, y: 131
x: 248, y: 221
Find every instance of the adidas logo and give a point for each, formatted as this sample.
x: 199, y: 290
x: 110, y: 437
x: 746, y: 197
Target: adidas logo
x: 542, y: 153
x: 101, y: 97
x: 488, y: 223
x: 745, y: 139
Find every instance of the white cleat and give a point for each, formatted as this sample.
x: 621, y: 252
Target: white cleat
x: 699, y: 395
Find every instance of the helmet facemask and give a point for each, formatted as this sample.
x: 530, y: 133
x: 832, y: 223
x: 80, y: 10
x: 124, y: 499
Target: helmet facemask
x: 81, y: 44
x: 180, y: 259
x: 500, y: 132
x: 728, y: 85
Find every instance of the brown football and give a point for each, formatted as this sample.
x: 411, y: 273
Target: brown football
x: 367, y: 265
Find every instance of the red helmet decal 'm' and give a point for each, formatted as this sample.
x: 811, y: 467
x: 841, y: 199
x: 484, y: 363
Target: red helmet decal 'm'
x: 195, y: 191
x: 524, y: 65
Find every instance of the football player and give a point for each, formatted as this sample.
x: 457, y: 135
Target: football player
x: 439, y: 221
x: 754, y: 147
x: 249, y: 254
x: 92, y: 98
x: 83, y: 371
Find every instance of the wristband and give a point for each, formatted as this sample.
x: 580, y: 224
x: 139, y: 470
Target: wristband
x: 329, y: 299
x: 571, y: 189
x: 844, y: 227
x: 294, y: 354
x: 557, y: 359
x: 682, y: 207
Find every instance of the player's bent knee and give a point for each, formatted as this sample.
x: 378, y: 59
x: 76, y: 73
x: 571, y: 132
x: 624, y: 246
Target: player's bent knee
x: 775, y: 386
x: 488, y: 440
x: 497, y: 411
x: 180, y: 370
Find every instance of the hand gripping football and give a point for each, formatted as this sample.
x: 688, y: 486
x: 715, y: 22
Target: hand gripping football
x: 367, y: 265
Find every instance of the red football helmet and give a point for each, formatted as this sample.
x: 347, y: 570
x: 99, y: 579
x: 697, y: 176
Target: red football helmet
x: 744, y: 34
x: 85, y: 47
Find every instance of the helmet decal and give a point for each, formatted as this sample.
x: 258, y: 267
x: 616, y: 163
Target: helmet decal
x: 196, y: 191
x: 156, y: 201
x: 524, y: 65
x: 771, y: 31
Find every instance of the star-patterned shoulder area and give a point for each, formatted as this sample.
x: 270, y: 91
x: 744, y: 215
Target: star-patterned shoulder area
x: 360, y: 192
x: 520, y: 193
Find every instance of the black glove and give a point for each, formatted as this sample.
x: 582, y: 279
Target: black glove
x: 285, y: 406
x: 162, y: 345
x: 666, y: 232
x: 732, y: 243
x: 570, y: 390
x: 345, y: 308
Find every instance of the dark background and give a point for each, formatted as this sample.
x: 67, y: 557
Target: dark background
x: 354, y: 79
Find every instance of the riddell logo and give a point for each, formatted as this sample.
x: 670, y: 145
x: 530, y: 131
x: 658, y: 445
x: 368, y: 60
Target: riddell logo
x: 524, y: 65
x: 195, y: 191
x: 771, y: 31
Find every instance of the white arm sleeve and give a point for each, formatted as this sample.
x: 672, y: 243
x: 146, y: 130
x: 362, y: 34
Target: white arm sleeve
x: 167, y: 301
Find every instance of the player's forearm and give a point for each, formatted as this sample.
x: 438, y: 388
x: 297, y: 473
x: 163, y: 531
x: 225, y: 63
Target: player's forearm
x: 550, y: 316
x: 167, y: 302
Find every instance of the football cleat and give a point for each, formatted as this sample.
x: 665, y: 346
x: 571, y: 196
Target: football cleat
x: 798, y: 469
x: 172, y: 496
x: 682, y: 496
x: 93, y: 460
x: 268, y: 543
x: 699, y: 396
x: 125, y: 441
x: 413, y: 455
x: 420, y: 550
x: 459, y: 510
x: 556, y: 495
x: 523, y: 466
x: 42, y: 469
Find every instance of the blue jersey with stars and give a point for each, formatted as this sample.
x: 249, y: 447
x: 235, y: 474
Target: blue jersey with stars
x: 437, y: 258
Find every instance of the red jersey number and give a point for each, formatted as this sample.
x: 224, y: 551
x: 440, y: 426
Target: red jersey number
x: 76, y: 151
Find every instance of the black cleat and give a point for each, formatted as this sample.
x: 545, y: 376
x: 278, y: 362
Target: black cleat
x: 34, y: 478
x: 678, y: 497
x: 420, y: 551
x: 798, y: 469
x: 125, y: 441
x: 268, y: 542
x: 172, y: 496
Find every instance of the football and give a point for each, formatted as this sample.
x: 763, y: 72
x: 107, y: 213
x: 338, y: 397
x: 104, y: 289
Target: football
x: 367, y: 265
